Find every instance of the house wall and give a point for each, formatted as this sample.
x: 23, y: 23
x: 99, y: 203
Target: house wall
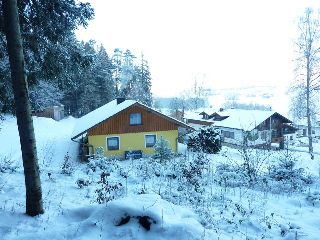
x: 301, y: 128
x: 133, y: 141
x: 120, y: 123
x: 238, y: 136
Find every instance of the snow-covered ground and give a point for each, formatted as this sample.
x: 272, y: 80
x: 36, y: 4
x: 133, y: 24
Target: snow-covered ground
x: 143, y: 195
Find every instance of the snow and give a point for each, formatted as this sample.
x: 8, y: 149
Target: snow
x: 106, y: 111
x: 223, y: 212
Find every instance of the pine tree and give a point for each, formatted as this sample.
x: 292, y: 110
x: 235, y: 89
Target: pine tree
x: 162, y: 150
x: 127, y: 75
x: 103, y: 74
x: 144, y: 80
x: 117, y: 70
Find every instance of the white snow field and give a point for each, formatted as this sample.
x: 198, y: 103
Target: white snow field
x: 143, y: 199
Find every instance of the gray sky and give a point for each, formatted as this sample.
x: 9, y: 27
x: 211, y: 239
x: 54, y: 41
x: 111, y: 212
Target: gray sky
x: 233, y: 43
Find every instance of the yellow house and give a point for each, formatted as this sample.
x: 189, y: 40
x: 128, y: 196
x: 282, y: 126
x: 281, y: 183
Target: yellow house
x: 127, y: 125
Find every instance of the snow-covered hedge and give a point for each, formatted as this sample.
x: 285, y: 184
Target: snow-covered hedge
x: 206, y: 139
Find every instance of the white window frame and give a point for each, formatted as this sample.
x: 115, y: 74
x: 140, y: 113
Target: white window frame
x: 134, y: 119
x: 145, y: 139
x: 107, y: 143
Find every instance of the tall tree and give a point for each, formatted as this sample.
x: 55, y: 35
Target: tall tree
x: 103, y: 74
x: 144, y: 78
x: 117, y: 62
x: 50, y: 48
x: 307, y: 61
x: 34, y: 204
x: 128, y: 74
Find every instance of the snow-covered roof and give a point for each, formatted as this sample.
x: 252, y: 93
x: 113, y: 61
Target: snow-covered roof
x: 108, y: 110
x: 237, y: 119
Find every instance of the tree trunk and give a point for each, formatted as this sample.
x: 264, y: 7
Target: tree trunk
x: 34, y: 205
x: 308, y: 99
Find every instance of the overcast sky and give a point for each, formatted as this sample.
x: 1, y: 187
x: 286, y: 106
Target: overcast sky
x: 234, y: 43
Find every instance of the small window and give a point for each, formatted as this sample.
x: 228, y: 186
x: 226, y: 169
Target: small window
x: 135, y: 119
x: 113, y: 143
x: 231, y: 134
x: 313, y: 132
x: 227, y: 134
x: 291, y: 137
x: 150, y: 140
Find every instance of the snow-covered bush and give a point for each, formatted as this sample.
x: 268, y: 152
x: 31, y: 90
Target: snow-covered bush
x: 162, y: 150
x: 286, y: 172
x: 7, y: 165
x: 108, y: 191
x: 206, y: 139
x: 101, y: 163
x: 229, y: 176
x: 67, y: 167
x: 192, y: 171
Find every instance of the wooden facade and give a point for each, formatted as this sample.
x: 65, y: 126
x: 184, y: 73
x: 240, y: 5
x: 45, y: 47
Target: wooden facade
x: 120, y: 123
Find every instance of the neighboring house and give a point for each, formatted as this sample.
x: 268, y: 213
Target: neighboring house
x: 127, y: 125
x: 261, y: 127
x: 302, y: 126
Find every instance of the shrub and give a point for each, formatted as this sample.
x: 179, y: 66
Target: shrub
x: 162, y: 150
x: 67, y: 168
x: 206, y: 139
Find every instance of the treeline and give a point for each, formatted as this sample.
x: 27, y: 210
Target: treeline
x: 60, y: 69
x: 246, y: 106
x: 106, y: 78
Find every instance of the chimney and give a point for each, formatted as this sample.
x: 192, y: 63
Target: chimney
x: 120, y: 100
x: 221, y: 109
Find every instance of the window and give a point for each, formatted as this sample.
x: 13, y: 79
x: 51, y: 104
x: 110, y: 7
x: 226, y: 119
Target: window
x: 113, y: 143
x: 313, y: 132
x: 227, y: 134
x: 150, y: 140
x: 135, y: 118
x: 263, y: 135
x: 231, y: 134
x: 222, y: 133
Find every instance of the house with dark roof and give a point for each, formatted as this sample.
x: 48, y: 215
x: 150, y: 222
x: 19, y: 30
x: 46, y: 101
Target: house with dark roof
x: 123, y: 126
x: 257, y: 128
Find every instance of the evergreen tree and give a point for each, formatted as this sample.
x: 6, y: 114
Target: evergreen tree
x: 128, y: 77
x: 103, y: 74
x: 117, y: 70
x: 144, y: 82
x: 51, y: 50
x: 162, y: 150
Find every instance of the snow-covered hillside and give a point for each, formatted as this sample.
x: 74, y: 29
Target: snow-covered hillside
x: 147, y: 200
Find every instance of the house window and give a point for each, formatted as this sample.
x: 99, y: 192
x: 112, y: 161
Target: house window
x: 263, y: 135
x: 227, y: 134
x: 231, y: 134
x: 222, y: 132
x: 291, y: 137
x: 113, y: 143
x: 135, y: 119
x: 150, y: 140
x: 313, y: 132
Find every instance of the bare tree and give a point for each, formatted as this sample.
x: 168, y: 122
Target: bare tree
x: 34, y: 204
x: 307, y: 62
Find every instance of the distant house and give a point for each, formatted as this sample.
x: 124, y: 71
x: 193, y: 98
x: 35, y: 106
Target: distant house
x: 45, y: 99
x: 54, y: 112
x: 126, y: 125
x: 261, y: 128
x: 302, y: 126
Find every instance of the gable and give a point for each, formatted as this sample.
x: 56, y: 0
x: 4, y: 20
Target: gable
x: 120, y: 123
